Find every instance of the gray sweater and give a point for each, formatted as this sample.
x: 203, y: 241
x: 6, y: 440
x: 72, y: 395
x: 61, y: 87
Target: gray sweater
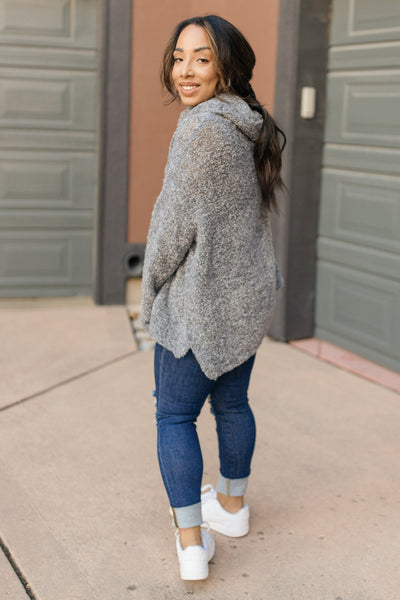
x: 210, y: 277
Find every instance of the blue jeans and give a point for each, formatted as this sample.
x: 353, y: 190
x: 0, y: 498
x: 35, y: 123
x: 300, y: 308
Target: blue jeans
x: 181, y: 390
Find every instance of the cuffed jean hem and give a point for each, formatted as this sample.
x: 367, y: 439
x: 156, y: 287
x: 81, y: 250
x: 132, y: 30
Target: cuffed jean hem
x: 232, y: 487
x: 187, y: 516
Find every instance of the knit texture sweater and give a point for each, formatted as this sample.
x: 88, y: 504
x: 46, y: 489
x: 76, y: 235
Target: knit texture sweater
x: 210, y: 276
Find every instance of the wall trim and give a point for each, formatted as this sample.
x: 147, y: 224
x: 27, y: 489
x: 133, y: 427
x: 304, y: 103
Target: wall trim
x: 114, y: 152
x: 301, y: 61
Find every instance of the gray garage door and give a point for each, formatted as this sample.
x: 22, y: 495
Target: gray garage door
x: 47, y: 146
x: 358, y: 288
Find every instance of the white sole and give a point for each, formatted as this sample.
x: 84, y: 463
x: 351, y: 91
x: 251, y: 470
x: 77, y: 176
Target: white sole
x: 228, y: 530
x: 194, y: 572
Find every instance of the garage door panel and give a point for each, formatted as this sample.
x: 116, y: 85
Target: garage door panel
x: 364, y: 108
x: 360, y: 349
x: 24, y: 139
x: 51, y: 22
x: 44, y: 258
x: 360, y: 258
x: 357, y: 21
x: 47, y: 219
x: 361, y: 307
x: 365, y: 56
x: 57, y: 100
x: 46, y: 181
x: 362, y: 208
x: 82, y: 60
x: 362, y: 158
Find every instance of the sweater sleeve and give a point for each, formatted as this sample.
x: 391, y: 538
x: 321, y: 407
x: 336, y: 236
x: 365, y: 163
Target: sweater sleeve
x: 171, y: 232
x: 194, y: 172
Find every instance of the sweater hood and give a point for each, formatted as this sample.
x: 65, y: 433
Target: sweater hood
x: 233, y: 109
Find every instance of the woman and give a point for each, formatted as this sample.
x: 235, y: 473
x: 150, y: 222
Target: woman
x: 210, y: 277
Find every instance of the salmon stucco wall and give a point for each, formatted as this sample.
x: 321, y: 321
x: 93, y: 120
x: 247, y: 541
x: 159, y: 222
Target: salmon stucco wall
x: 152, y: 122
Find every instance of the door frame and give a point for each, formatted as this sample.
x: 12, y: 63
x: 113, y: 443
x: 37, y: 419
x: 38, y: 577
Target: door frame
x: 111, y: 247
x: 303, y: 42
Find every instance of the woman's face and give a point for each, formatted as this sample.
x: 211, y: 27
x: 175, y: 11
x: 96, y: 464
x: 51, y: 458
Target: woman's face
x: 194, y: 74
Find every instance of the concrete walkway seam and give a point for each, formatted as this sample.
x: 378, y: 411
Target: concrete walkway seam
x: 17, y: 570
x: 69, y: 380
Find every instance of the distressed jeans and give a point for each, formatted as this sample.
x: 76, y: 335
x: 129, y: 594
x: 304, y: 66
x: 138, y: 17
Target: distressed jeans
x: 181, y: 391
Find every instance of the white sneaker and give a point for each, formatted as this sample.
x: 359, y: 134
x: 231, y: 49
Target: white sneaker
x: 193, y: 560
x: 219, y: 519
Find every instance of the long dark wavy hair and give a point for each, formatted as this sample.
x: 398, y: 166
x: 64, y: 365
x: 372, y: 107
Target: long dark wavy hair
x: 234, y: 63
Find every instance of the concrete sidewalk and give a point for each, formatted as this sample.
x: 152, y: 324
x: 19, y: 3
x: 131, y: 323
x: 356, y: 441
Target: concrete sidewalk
x: 83, y: 513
